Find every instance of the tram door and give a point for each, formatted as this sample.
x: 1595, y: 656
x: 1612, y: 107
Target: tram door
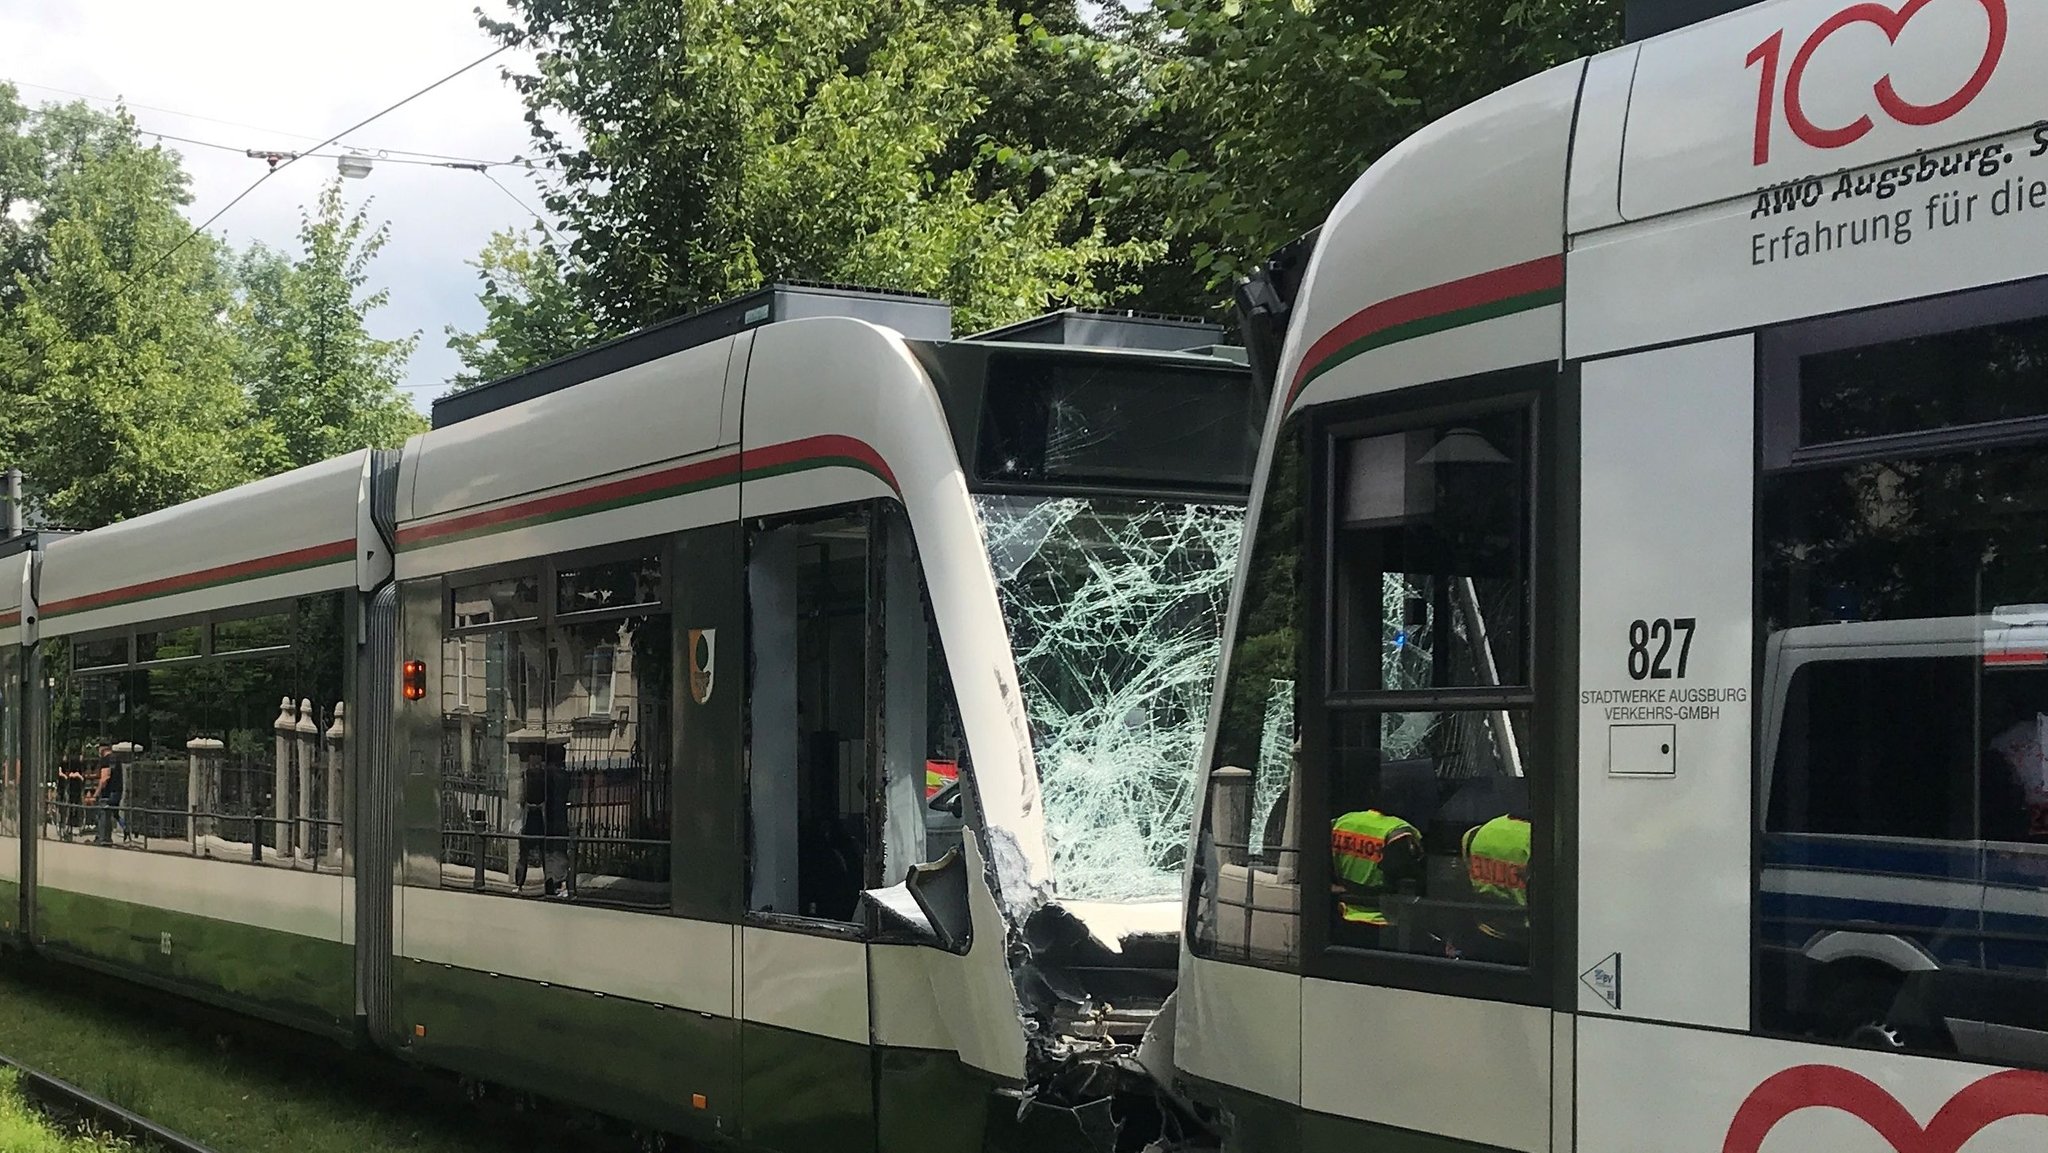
x: 1665, y: 640
x: 808, y: 1077
x: 1431, y: 741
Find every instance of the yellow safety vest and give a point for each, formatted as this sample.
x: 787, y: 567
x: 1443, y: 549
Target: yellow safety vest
x: 1358, y: 846
x: 1497, y: 860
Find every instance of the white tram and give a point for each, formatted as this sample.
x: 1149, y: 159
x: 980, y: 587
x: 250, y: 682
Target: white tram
x: 1660, y: 459
x: 663, y: 742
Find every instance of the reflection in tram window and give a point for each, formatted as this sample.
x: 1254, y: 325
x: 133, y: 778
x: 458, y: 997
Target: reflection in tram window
x: 1431, y: 838
x: 1944, y: 380
x: 514, y: 598
x: 234, y: 752
x: 1430, y: 549
x: 251, y: 632
x: 1430, y: 823
x: 1248, y: 869
x: 555, y: 738
x: 1904, y: 704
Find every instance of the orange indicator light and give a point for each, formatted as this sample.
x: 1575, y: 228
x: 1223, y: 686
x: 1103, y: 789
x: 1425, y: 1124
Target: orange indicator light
x: 698, y: 1101
x: 415, y: 680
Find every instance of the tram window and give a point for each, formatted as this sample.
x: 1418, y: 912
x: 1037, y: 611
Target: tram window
x: 613, y: 776
x: 1248, y: 869
x: 493, y: 729
x: 555, y: 751
x: 609, y: 585
x: 923, y: 757
x: 261, y: 631
x: 101, y: 652
x: 234, y: 755
x: 1903, y: 615
x: 1430, y: 842
x: 171, y: 643
x: 1431, y: 830
x: 808, y: 774
x: 1053, y: 420
x: 11, y: 718
x: 1431, y: 556
x: 1924, y: 383
x: 496, y: 602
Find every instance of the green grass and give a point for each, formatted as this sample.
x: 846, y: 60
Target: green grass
x: 23, y: 1130
x: 237, y: 1095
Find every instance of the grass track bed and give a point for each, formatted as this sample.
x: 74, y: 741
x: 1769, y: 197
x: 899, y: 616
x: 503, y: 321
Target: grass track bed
x: 24, y: 1129
x: 233, y: 1092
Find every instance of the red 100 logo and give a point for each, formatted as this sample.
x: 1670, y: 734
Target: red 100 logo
x: 1892, y: 22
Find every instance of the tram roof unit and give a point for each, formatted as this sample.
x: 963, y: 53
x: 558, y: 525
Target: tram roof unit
x: 918, y: 317
x: 1099, y: 328
x: 299, y: 532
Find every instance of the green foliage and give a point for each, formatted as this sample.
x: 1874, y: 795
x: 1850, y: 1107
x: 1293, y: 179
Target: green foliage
x: 1009, y: 155
x: 141, y: 366
x: 722, y: 143
x: 1262, y: 112
x: 315, y: 376
x: 25, y: 1130
x: 116, y: 370
x: 531, y: 314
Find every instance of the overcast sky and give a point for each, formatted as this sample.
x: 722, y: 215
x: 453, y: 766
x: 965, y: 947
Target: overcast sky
x: 285, y: 75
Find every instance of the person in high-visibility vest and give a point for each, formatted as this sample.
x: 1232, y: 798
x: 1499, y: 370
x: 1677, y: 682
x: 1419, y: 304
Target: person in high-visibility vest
x: 1497, y: 865
x: 1370, y: 852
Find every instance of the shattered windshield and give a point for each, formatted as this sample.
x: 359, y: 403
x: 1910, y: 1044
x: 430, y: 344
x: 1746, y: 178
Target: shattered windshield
x: 1115, y: 608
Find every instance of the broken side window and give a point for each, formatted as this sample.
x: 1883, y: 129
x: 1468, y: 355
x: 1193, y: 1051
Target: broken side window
x: 809, y: 716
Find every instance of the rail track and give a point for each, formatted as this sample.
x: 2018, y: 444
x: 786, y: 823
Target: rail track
x: 71, y: 1103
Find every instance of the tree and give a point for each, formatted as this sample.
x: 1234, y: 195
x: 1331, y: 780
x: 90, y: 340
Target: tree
x: 312, y: 372
x: 531, y: 315
x: 1261, y: 113
x: 114, y: 362
x: 1011, y: 155
x: 722, y: 143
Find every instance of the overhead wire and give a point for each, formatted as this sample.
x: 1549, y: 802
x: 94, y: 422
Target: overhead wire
x: 381, y: 155
x: 274, y: 169
x: 389, y: 154
x: 114, y: 102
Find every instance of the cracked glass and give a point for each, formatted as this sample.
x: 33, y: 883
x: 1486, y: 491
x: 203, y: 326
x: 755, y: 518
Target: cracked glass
x: 1115, y: 607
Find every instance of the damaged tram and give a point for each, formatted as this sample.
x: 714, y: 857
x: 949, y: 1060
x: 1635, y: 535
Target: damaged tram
x: 777, y: 734
x: 1633, y: 731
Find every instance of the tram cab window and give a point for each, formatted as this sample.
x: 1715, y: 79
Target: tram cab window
x: 1247, y: 900
x: 1903, y: 887
x: 1430, y: 546
x: 1429, y: 731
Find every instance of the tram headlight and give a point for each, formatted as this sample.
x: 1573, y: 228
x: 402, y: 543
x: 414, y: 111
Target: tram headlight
x: 415, y: 680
